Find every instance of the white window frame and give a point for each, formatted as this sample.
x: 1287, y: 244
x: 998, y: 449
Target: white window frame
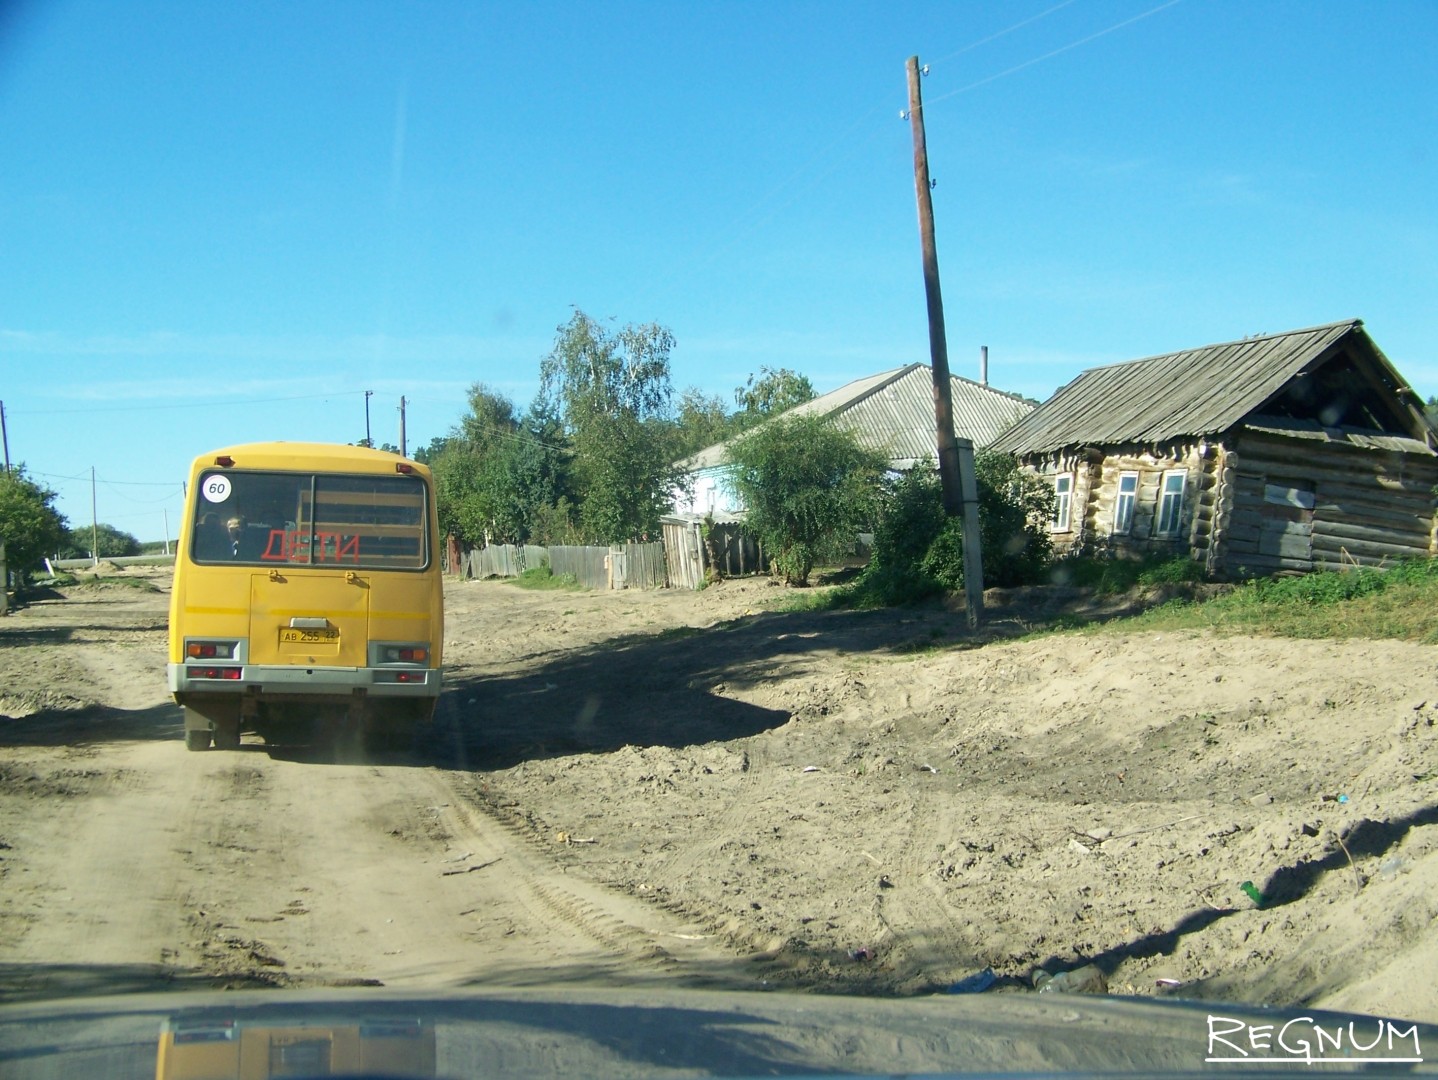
x: 1063, y: 502
x: 1168, y: 521
x: 1124, y: 503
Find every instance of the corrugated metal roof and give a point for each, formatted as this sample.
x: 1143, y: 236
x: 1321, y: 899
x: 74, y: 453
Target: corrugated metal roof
x: 1194, y: 392
x: 893, y: 411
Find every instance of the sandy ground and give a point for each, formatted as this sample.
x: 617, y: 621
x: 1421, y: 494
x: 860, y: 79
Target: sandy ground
x: 695, y: 789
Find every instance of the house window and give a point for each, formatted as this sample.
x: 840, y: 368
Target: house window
x: 1123, y: 506
x: 1170, y: 503
x: 1063, y: 502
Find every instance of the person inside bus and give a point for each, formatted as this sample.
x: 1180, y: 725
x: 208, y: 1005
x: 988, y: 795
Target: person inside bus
x: 239, y: 543
x: 211, y: 539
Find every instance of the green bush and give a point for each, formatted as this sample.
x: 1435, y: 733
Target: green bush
x: 919, y: 551
x: 809, y: 486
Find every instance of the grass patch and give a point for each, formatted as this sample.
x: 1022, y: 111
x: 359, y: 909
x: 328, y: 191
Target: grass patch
x: 1399, y: 603
x: 542, y: 577
x: 1108, y: 577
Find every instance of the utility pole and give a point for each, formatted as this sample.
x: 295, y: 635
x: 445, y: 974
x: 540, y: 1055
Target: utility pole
x: 956, y: 463
x: 94, y: 523
x: 4, y: 436
x: 367, y: 440
x: 402, y: 452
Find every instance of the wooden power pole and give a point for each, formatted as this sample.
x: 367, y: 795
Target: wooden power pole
x: 956, y: 456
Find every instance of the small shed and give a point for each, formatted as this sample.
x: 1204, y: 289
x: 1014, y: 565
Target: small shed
x: 1285, y: 452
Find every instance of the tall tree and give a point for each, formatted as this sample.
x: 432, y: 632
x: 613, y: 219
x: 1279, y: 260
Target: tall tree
x: 611, y: 392
x: 111, y: 541
x: 495, y: 474
x: 29, y: 523
x: 701, y: 420
x: 776, y: 390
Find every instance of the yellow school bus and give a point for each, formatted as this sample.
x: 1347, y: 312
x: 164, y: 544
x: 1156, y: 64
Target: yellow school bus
x: 307, y: 590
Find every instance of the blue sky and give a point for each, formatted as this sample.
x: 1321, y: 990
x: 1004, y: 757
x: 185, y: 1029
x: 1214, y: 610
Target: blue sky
x: 224, y: 222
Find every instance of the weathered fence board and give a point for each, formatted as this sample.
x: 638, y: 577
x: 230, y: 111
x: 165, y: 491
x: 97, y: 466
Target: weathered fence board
x: 726, y: 547
x: 621, y: 566
x: 684, y: 552
x: 585, y: 564
x: 645, y: 567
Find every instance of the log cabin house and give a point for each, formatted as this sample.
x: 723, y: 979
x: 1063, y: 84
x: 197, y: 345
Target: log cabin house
x: 1281, y: 453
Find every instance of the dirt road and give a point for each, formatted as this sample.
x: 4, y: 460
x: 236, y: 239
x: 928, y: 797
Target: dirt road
x: 638, y: 787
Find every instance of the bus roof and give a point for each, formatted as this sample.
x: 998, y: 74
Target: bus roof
x: 306, y: 457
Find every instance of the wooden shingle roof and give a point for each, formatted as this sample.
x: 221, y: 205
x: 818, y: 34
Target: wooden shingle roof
x: 1195, y: 392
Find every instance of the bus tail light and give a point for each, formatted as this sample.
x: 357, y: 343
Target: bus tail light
x: 195, y: 671
x: 404, y: 654
x: 210, y: 650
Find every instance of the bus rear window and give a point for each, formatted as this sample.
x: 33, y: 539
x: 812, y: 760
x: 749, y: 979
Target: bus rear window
x: 345, y: 521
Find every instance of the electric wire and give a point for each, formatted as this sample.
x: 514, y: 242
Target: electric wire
x: 187, y: 404
x: 1008, y: 30
x: 1050, y: 55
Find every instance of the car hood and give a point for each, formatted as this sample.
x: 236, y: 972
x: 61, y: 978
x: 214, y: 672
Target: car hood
x: 665, y: 1032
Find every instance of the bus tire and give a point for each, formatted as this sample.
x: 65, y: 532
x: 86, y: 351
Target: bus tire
x: 196, y: 739
x: 227, y: 736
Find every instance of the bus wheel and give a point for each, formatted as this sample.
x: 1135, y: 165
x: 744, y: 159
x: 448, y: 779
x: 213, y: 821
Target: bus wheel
x: 227, y: 735
x: 197, y: 740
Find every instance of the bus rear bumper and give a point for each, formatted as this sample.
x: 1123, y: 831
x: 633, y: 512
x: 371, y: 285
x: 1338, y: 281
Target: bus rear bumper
x: 283, y: 680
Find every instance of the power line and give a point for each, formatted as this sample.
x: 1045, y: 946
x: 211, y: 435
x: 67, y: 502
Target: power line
x: 1050, y: 55
x: 226, y: 403
x: 124, y: 483
x: 1009, y: 30
x: 752, y: 218
x: 167, y: 497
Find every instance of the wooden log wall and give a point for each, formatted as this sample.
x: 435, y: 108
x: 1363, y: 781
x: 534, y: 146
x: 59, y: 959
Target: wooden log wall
x: 1075, y: 539
x: 1369, y: 507
x: 1202, y: 498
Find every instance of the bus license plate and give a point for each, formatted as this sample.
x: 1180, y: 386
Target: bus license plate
x: 310, y: 637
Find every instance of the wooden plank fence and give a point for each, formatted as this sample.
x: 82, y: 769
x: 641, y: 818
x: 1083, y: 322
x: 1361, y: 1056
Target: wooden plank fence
x: 684, y: 551
x: 619, y: 566
x: 502, y: 560
x: 733, y: 549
